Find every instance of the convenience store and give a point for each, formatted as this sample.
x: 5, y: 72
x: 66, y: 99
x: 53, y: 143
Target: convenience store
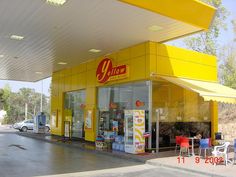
x: 175, y: 90
x: 108, y: 61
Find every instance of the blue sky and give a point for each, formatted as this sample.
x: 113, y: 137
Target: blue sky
x: 225, y: 37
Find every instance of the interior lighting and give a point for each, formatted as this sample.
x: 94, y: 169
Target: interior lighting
x: 56, y: 2
x: 94, y: 50
x: 16, y: 37
x: 62, y: 63
x: 1, y: 56
x: 155, y: 28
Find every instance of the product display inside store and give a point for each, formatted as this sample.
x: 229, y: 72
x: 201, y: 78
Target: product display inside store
x: 119, y: 108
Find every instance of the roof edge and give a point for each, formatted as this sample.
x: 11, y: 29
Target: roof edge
x: 192, y: 12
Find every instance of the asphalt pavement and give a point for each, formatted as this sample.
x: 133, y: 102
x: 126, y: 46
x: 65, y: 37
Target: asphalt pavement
x: 27, y: 157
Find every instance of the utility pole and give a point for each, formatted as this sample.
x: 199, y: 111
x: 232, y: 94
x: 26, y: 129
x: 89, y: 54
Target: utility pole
x: 41, y: 105
x: 26, y: 111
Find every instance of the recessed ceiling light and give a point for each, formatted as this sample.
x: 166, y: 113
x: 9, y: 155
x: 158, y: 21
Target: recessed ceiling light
x: 38, y: 72
x: 62, y: 63
x: 16, y: 37
x: 94, y: 50
x: 155, y: 28
x: 1, y: 56
x: 56, y: 2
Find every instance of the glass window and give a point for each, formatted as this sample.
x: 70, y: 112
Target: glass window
x: 126, y: 96
x: 180, y: 112
x: 112, y: 101
x: 140, y: 96
x: 104, y: 95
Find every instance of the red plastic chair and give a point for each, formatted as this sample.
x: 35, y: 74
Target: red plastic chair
x: 177, y: 142
x: 184, y: 145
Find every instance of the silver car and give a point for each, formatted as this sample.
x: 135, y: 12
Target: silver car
x: 28, y: 125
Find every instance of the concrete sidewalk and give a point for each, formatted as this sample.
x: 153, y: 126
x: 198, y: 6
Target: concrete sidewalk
x: 163, y: 159
x: 197, y: 165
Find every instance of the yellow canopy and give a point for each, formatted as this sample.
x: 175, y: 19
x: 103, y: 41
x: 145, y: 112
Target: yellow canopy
x: 208, y: 90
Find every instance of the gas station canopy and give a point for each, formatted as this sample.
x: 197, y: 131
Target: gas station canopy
x: 37, y: 38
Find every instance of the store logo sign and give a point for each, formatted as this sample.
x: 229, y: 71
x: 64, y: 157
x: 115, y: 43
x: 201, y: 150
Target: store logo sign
x: 106, y: 72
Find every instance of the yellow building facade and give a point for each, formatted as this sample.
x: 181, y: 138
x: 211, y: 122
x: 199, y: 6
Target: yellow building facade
x: 150, y: 62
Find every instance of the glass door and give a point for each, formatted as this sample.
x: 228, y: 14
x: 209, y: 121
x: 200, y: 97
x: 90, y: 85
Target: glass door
x: 75, y: 101
x: 129, y: 132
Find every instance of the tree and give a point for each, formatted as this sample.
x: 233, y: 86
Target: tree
x: 1, y: 99
x: 206, y: 42
x: 234, y: 28
x: 4, y: 96
x: 227, y: 68
x: 16, y: 104
x: 227, y: 65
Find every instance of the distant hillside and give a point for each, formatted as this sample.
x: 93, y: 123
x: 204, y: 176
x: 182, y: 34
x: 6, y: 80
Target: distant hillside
x: 227, y: 113
x: 227, y: 121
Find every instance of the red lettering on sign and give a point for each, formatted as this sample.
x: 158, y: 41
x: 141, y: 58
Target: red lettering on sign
x: 106, y: 72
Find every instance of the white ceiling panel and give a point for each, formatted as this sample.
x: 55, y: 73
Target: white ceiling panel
x: 53, y: 34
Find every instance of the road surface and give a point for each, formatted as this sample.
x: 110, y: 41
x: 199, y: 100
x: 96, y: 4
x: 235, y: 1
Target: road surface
x: 26, y: 157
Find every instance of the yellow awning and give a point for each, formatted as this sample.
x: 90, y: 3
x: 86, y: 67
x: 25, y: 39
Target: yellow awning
x: 208, y: 90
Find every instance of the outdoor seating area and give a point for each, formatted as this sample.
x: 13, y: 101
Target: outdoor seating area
x: 216, y: 154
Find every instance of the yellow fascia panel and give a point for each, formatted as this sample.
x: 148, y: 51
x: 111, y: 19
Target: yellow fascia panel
x: 138, y: 68
x: 91, y: 78
x: 124, y: 54
x: 191, y: 12
x: 138, y: 50
x: 68, y: 84
x: 178, y: 62
x: 179, y: 68
x: 151, y: 48
x: 79, y: 69
x: 186, y: 55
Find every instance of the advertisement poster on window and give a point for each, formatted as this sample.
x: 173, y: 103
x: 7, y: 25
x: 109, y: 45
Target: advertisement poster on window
x: 88, y: 120
x: 134, y: 131
x: 139, y: 126
x: 54, y: 118
x: 67, y: 129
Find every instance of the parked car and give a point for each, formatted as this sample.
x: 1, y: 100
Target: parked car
x: 28, y: 125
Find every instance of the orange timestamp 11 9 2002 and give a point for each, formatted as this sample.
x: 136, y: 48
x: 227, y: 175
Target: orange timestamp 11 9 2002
x: 207, y: 160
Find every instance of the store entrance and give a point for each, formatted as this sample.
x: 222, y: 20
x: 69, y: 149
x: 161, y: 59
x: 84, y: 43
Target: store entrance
x: 75, y: 102
x: 77, y: 126
x: 123, y: 114
x: 155, y: 130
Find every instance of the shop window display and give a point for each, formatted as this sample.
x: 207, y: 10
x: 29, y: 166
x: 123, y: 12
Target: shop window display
x: 180, y: 112
x: 112, y: 103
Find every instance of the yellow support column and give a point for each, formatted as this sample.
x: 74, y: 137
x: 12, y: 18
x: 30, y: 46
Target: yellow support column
x: 90, y: 114
x: 214, y: 119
